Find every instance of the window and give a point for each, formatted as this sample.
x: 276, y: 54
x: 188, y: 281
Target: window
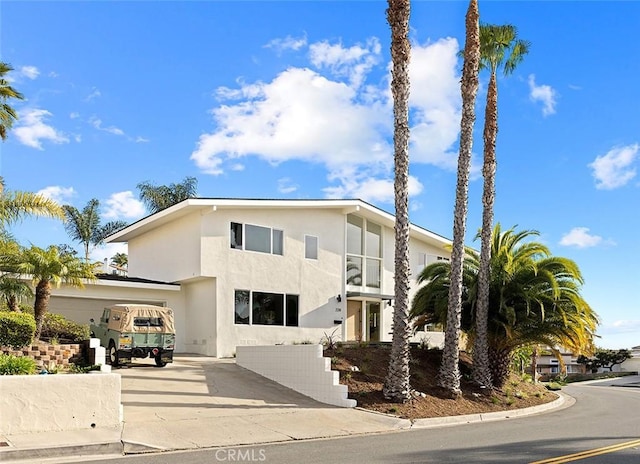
x: 263, y: 308
x: 256, y: 238
x: 310, y: 247
x: 147, y: 321
x: 364, y: 253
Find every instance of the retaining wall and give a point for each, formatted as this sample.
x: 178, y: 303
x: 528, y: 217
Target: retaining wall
x: 299, y: 367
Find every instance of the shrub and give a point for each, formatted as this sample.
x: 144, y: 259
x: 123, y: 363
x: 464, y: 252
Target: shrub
x: 17, y: 365
x: 57, y: 327
x: 16, y: 329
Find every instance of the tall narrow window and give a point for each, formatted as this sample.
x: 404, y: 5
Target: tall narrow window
x: 292, y: 310
x: 310, y: 247
x: 278, y: 238
x: 236, y: 235
x: 242, y: 307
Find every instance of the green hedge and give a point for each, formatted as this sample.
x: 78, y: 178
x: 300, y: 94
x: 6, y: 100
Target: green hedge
x: 56, y: 326
x: 16, y: 329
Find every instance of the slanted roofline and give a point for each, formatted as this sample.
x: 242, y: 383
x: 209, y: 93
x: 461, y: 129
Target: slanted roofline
x: 360, y: 207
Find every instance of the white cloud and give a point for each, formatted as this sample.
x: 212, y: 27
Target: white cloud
x: 615, y: 168
x: 542, y: 93
x: 123, y: 205
x: 286, y: 185
x: 30, y: 72
x: 353, y: 62
x: 287, y: 43
x: 74, y: 115
x: 57, y: 193
x: 581, y: 238
x: 370, y: 189
x: 337, y: 119
x: 95, y: 93
x: 32, y: 129
x: 140, y: 139
x: 97, y: 123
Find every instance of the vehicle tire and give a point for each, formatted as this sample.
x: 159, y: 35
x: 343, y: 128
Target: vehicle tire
x: 160, y: 362
x: 112, y: 354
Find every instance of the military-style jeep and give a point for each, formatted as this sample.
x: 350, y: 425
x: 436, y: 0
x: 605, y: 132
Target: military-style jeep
x: 136, y: 331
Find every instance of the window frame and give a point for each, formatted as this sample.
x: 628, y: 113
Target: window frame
x: 288, y: 316
x: 276, y: 238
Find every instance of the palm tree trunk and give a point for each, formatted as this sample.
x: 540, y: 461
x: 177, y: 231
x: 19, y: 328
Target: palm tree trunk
x: 481, y: 371
x: 499, y: 360
x: 43, y: 293
x: 449, y: 377
x: 534, y: 364
x: 12, y: 303
x: 396, y: 386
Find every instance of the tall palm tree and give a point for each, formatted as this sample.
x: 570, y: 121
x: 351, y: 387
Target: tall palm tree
x: 449, y: 377
x: 49, y: 268
x: 499, y: 48
x: 84, y: 226
x: 7, y: 113
x: 15, y: 205
x: 396, y: 385
x: 534, y: 298
x: 159, y: 197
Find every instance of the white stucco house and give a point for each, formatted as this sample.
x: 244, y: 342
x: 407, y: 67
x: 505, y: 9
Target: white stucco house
x: 257, y: 271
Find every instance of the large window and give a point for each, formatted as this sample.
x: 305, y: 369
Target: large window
x: 256, y: 238
x: 364, y: 253
x: 262, y: 308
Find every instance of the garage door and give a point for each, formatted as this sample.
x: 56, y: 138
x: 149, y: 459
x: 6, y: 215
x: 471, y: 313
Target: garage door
x: 82, y: 309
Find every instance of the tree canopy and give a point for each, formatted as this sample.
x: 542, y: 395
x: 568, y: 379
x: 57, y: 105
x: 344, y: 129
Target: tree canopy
x: 159, y: 197
x: 534, y: 298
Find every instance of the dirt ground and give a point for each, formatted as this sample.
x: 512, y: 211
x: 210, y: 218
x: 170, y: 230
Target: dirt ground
x: 363, y: 369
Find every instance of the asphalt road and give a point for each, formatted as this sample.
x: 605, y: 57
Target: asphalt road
x: 602, y: 427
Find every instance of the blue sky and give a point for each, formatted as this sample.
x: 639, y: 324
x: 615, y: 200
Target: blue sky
x: 290, y: 99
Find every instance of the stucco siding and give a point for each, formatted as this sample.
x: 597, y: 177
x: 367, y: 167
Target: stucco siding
x: 201, y: 330
x: 169, y: 253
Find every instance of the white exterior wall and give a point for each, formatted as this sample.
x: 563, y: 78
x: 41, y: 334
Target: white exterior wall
x: 201, y: 329
x: 169, y: 253
x: 317, y: 282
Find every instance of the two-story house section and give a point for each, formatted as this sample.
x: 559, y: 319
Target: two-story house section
x: 255, y: 271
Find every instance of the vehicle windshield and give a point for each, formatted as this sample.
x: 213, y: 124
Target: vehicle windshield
x: 147, y: 321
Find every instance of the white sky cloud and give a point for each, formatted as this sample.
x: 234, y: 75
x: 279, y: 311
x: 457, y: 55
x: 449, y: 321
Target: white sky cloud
x: 30, y: 72
x: 615, y: 168
x: 581, y: 238
x: 32, y: 129
x: 286, y: 185
x: 97, y: 123
x: 544, y: 94
x: 107, y: 251
x: 57, y: 193
x: 123, y: 205
x: 370, y: 189
x: 287, y: 43
x: 140, y: 139
x: 95, y: 93
x: 74, y: 115
x: 337, y: 119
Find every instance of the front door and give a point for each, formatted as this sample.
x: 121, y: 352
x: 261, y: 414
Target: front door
x: 354, y: 321
x: 373, y: 318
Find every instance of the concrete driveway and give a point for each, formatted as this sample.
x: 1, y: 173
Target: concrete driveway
x: 203, y: 402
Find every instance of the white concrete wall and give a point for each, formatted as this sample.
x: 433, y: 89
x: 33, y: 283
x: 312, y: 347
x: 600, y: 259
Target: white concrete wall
x: 61, y: 402
x: 299, y: 367
x: 630, y: 365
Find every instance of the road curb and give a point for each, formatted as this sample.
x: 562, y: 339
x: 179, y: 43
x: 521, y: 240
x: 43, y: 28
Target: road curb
x: 563, y: 401
x: 41, y: 453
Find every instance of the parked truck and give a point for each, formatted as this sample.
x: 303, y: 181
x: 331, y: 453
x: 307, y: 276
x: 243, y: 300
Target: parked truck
x: 130, y: 331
